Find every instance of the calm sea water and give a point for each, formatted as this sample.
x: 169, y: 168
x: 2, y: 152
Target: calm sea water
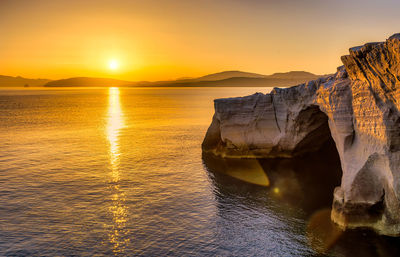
x: 108, y: 171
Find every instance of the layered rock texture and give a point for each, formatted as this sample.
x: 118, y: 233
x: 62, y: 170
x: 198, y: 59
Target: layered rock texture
x: 359, y: 107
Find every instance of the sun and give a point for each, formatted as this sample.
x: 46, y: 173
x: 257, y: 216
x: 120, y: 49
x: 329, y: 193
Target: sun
x: 113, y: 64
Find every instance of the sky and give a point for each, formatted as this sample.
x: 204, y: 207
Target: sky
x: 162, y: 40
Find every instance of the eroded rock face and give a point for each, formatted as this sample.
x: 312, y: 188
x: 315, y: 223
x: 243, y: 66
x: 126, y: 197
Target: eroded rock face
x: 358, y: 106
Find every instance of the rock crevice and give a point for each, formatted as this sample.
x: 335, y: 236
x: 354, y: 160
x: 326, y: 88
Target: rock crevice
x: 358, y: 107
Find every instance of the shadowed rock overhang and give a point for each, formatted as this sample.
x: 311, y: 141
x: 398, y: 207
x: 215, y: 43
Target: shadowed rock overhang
x: 359, y: 105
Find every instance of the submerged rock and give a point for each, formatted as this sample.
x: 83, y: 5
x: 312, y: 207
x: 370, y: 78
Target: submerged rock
x: 358, y: 107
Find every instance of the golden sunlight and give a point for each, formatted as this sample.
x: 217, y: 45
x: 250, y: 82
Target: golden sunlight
x: 118, y: 209
x: 113, y: 64
x: 114, y: 124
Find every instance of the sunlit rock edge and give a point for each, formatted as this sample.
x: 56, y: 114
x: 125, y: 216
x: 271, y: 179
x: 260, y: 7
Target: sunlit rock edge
x: 358, y: 106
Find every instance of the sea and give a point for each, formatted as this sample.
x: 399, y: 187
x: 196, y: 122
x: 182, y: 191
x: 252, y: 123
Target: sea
x: 120, y: 172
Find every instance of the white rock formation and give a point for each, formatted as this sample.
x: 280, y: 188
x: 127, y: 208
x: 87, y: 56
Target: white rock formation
x: 359, y: 107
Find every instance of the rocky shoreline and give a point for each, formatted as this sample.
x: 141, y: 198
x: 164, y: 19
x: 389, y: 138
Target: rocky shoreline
x: 358, y: 107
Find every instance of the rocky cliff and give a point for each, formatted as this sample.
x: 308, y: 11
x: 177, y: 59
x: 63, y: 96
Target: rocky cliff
x: 359, y: 107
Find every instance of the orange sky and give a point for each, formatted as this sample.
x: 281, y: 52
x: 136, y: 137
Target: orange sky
x: 155, y: 40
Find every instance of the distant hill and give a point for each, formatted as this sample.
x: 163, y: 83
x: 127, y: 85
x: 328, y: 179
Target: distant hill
x: 88, y: 82
x: 237, y: 79
x: 229, y: 74
x: 293, y: 75
x: 220, y: 79
x: 8, y: 81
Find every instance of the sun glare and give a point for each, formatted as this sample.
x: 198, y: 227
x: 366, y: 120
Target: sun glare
x: 113, y: 64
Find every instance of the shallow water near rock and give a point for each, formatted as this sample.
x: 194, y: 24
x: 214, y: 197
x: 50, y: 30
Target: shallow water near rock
x: 108, y: 171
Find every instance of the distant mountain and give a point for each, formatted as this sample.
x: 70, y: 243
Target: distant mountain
x: 228, y: 75
x: 8, y: 81
x: 237, y: 79
x: 88, y: 82
x: 221, y: 79
x: 293, y: 75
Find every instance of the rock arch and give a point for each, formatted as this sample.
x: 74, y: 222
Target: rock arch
x: 360, y: 103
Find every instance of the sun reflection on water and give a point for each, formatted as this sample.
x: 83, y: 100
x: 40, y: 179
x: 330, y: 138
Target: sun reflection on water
x: 115, y: 122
